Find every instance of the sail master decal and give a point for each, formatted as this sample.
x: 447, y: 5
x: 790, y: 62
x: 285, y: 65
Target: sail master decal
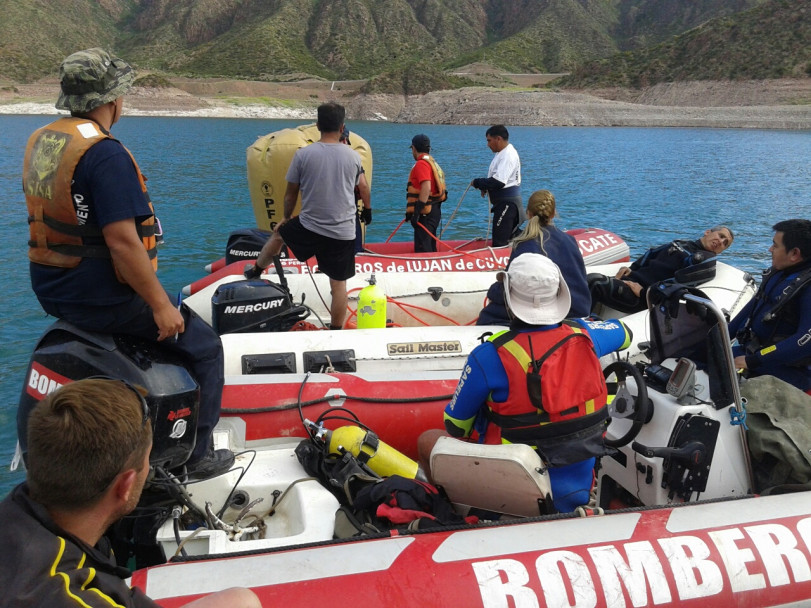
x: 424, y: 348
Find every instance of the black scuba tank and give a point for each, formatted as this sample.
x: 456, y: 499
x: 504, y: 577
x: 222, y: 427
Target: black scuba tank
x: 65, y: 353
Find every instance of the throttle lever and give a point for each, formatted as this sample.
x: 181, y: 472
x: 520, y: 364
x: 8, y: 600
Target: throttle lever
x: 692, y: 452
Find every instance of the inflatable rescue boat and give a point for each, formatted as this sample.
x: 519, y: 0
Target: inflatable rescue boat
x: 598, y: 247
x: 411, y: 367
x: 674, y: 521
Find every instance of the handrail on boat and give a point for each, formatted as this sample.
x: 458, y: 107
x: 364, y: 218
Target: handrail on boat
x: 729, y: 359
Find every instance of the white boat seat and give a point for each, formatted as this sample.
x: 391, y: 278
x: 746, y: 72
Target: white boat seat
x: 507, y: 478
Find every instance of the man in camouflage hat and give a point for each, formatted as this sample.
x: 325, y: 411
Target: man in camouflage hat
x: 92, y: 236
x: 92, y: 78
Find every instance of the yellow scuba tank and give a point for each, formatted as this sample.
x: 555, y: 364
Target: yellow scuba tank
x: 381, y: 457
x: 371, y: 306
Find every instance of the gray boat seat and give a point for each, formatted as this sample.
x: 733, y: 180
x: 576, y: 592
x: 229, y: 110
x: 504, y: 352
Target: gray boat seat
x: 508, y: 478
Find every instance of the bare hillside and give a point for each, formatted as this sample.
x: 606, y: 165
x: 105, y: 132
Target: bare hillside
x: 782, y: 104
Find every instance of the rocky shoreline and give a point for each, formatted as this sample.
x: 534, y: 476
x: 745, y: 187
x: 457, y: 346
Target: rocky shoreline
x: 784, y: 104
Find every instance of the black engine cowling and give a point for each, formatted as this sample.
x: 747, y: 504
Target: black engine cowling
x: 65, y: 354
x: 256, y: 305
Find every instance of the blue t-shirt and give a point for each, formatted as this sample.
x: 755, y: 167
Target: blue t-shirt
x: 106, y: 189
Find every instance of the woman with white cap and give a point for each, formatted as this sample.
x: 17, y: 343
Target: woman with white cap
x: 540, y: 382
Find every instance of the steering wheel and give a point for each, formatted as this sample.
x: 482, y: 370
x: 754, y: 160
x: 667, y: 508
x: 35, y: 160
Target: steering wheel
x: 626, y: 405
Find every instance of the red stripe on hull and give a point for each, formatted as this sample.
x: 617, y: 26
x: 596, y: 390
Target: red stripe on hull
x: 269, y: 410
x: 633, y: 559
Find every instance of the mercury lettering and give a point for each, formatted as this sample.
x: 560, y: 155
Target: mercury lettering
x: 663, y: 572
x: 243, y: 308
x: 244, y: 254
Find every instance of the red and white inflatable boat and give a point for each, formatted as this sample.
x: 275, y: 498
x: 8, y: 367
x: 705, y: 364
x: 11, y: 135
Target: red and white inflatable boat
x: 679, y: 525
x: 597, y: 246
x: 408, y: 369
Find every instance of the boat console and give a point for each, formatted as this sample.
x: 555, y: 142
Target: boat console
x: 685, y: 442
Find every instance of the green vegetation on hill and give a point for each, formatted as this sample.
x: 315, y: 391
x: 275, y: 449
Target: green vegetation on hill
x: 770, y: 41
x: 415, y: 79
x: 404, y: 45
x: 35, y: 35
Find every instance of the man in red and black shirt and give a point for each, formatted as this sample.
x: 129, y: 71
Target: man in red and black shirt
x: 425, y: 193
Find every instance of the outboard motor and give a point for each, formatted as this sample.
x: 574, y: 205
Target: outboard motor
x: 66, y: 353
x: 256, y: 305
x: 246, y: 243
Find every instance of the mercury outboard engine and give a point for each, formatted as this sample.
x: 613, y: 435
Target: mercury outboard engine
x: 255, y: 305
x: 66, y: 353
x: 246, y: 243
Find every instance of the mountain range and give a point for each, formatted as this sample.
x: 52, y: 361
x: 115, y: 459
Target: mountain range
x: 629, y: 41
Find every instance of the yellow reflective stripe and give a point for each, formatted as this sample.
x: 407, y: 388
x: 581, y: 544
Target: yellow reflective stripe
x: 590, y: 406
x: 627, y: 342
x: 519, y: 353
x: 58, y: 555
x: 464, y: 425
x: 92, y: 575
x: 66, y: 579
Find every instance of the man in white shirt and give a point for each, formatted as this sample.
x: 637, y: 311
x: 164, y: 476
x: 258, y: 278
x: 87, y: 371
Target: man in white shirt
x: 503, y: 185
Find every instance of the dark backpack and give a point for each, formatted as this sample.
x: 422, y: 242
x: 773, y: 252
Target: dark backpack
x: 371, y: 504
x: 343, y: 475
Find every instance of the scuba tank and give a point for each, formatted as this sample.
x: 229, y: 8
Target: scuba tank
x: 371, y: 306
x: 366, y: 447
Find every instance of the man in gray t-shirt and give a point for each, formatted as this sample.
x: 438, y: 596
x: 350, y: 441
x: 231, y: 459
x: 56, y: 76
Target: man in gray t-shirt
x: 326, y: 173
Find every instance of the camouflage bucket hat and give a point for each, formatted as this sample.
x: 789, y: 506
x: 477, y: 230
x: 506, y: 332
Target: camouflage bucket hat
x: 91, y: 78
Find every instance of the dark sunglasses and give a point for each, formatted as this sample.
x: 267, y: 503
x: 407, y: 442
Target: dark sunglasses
x: 141, y: 399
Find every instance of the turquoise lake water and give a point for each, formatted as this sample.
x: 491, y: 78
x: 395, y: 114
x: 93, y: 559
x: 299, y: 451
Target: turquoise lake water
x: 647, y: 185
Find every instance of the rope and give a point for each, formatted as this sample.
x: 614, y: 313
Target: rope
x: 402, y: 221
x: 312, y: 278
x: 447, y: 223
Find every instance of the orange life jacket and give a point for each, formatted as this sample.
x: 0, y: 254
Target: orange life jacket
x: 437, y: 196
x: 55, y: 234
x: 556, y: 390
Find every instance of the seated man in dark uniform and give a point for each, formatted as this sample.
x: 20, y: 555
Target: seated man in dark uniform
x: 774, y: 328
x: 92, y: 244
x: 626, y: 291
